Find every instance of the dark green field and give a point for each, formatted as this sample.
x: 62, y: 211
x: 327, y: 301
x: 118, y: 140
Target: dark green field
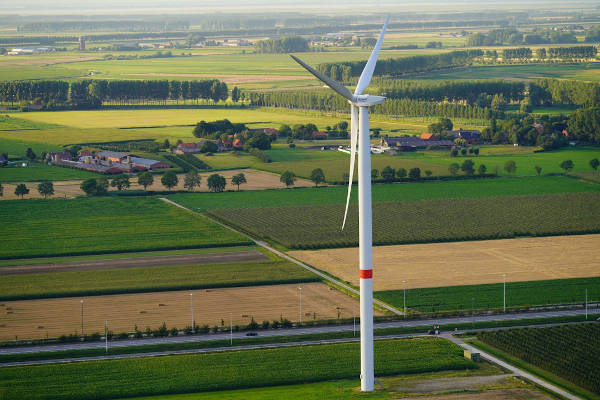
x: 218, y: 371
x: 385, y: 193
x: 35, y: 228
x: 425, y: 221
x: 518, y: 294
x: 154, y: 279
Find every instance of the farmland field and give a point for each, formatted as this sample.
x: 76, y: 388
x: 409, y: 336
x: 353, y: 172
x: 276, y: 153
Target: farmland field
x: 149, y: 279
x: 208, y: 372
x: 54, y: 317
x: 37, y: 171
x: 570, y: 351
x: 466, y: 263
x: 95, y: 225
x: 490, y: 296
x: 383, y: 193
x: 440, y: 220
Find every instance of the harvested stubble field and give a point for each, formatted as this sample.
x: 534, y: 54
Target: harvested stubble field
x: 257, y: 180
x: 96, y: 225
x: 441, y: 220
x: 54, y: 317
x: 466, y: 263
x: 113, y: 280
x: 230, y: 370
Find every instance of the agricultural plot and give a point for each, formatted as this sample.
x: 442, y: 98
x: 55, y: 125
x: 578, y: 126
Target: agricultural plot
x: 442, y: 220
x: 96, y: 225
x: 55, y: 317
x: 386, y: 193
x: 231, y: 370
x: 36, y: 172
x: 149, y: 279
x: 447, y: 265
x: 569, y: 351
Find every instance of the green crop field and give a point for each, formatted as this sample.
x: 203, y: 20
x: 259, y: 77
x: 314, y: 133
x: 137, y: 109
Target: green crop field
x: 96, y: 225
x: 569, y: 351
x: 385, y: 193
x: 36, y: 171
x: 306, y: 227
x: 154, y: 279
x: 231, y: 370
x: 490, y: 296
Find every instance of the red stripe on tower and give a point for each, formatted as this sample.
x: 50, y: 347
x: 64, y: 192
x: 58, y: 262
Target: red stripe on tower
x: 366, y: 273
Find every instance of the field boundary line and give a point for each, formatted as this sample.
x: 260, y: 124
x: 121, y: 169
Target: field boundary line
x: 291, y: 259
x: 515, y: 370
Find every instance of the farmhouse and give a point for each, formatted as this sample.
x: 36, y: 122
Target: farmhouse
x: 427, y: 136
x: 319, y: 135
x: 111, y: 162
x: 471, y: 136
x: 56, y: 156
x: 412, y: 143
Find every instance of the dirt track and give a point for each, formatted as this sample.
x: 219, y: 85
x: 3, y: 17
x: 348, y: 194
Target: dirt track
x: 138, y: 262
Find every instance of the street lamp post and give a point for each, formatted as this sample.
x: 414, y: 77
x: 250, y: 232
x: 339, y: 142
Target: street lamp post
x: 82, y: 319
x: 504, y: 290
x: 192, y: 309
x: 300, y: 295
x: 404, y: 284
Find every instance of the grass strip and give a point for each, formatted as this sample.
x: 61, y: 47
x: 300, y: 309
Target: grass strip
x: 229, y: 370
x: 208, y: 344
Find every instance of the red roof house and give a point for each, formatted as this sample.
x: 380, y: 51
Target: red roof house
x: 319, y: 135
x: 427, y: 136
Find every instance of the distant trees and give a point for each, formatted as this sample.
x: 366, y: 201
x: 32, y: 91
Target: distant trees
x: 317, y: 176
x: 510, y: 166
x: 594, y: 163
x: 388, y: 174
x: 30, y: 154
x: 453, y: 169
x: 567, y: 165
x: 145, y: 179
x: 95, y: 186
x: 414, y: 173
x: 288, y: 178
x: 583, y: 125
x: 538, y: 170
x: 482, y: 169
x: 238, y: 180
x: 192, y: 180
x: 401, y: 173
x: 120, y: 181
x: 216, y: 183
x: 21, y: 190
x: 468, y: 167
x: 285, y: 44
x: 374, y: 173
x: 46, y: 189
x: 169, y: 179
x: 209, y: 147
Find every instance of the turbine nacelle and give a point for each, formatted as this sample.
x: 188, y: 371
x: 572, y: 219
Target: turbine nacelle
x: 366, y: 100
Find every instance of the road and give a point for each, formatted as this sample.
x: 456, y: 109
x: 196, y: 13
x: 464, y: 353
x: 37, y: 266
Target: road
x: 514, y: 370
x: 137, y: 262
x: 283, y: 332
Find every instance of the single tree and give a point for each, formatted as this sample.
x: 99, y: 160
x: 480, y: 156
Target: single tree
x: 453, y: 168
x: 235, y: 94
x: 30, y: 154
x: 414, y: 173
x: 454, y: 152
x: 468, y: 167
x: 388, y: 174
x: 169, y: 180
x: 46, y: 189
x: 166, y: 144
x: 481, y: 170
x: 401, y: 173
x: 594, y: 163
x: 101, y: 186
x: 463, y: 151
x: 538, y: 170
x: 120, y: 181
x: 145, y: 179
x: 476, y: 151
x: 510, y: 166
x: 209, y: 147
x: 216, y: 183
x: 89, y: 186
x: 21, y: 190
x: 567, y: 165
x: 238, y: 180
x: 192, y: 180
x: 317, y: 176
x: 374, y: 173
x: 428, y: 172
x: 288, y: 178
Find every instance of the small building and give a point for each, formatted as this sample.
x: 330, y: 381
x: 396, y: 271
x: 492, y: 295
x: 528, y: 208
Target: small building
x: 81, y: 43
x: 85, y: 153
x: 471, y: 136
x: 113, y: 156
x: 271, y: 131
x: 427, y: 136
x: 412, y: 143
x: 237, y: 144
x: 145, y: 163
x: 538, y: 127
x: 319, y: 135
x: 187, y: 148
x: 58, y: 156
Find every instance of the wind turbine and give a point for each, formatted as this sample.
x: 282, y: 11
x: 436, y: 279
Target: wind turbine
x: 359, y: 133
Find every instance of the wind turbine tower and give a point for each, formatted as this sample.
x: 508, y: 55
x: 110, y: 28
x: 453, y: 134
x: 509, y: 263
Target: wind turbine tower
x: 359, y: 134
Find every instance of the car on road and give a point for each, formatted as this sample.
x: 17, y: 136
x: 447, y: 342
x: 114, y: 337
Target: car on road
x: 251, y: 334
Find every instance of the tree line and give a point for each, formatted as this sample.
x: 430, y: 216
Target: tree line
x: 453, y: 91
x: 324, y: 101
x: 92, y: 93
x: 569, y: 92
x: 105, y: 26
x: 508, y: 36
x: 286, y: 44
x: 398, y: 66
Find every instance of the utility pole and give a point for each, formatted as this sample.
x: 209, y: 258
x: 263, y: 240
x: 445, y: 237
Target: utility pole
x: 82, y: 336
x: 192, y: 309
x: 300, y: 294
x: 404, y: 302
x: 504, y: 302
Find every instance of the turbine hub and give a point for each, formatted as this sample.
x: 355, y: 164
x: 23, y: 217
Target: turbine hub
x: 366, y: 100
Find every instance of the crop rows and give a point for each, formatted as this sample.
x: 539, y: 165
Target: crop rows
x: 218, y: 371
x: 518, y: 294
x: 570, y: 351
x: 308, y: 227
x: 36, y: 228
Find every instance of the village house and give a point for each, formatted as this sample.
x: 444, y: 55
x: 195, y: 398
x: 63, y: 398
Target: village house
x: 471, y: 136
x: 110, y: 162
x: 412, y: 143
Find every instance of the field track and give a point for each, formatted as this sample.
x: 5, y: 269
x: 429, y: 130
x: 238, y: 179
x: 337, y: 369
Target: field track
x: 138, y: 262
x: 466, y: 263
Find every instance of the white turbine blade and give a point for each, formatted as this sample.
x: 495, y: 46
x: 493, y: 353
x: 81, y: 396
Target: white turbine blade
x: 353, y: 143
x: 337, y: 87
x: 367, y: 73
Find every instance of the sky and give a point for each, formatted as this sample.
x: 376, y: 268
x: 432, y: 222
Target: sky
x: 261, y: 6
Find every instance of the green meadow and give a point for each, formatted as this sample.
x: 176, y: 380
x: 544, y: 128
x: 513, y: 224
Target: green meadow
x: 103, y: 225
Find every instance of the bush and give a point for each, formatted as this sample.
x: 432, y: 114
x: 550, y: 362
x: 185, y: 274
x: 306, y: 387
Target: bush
x: 259, y: 154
